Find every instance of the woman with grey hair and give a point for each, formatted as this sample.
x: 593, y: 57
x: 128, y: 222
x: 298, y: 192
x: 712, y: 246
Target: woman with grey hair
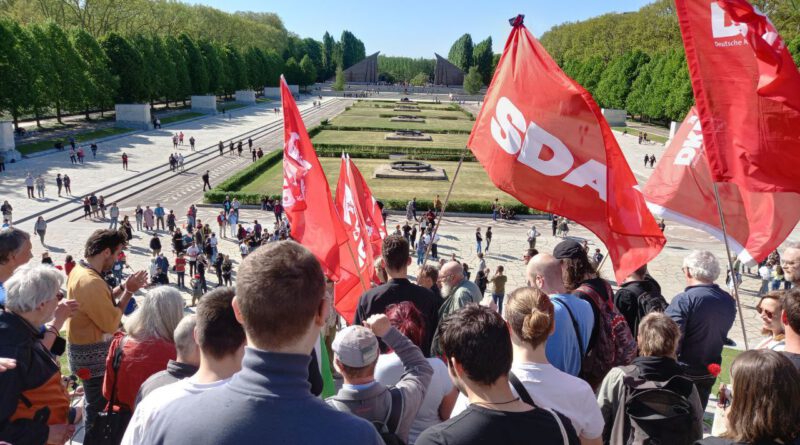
x: 32, y: 298
x: 147, y: 344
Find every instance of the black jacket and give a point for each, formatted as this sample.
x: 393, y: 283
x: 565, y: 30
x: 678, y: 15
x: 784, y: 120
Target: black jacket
x: 377, y: 299
x: 626, y: 299
x: 35, y: 366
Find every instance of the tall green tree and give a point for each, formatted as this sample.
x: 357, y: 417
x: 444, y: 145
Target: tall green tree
x: 255, y: 63
x: 460, y: 53
x: 308, y: 70
x: 328, y: 61
x: 273, y: 69
x: 166, y: 70
x: 352, y: 50
x: 403, y: 69
x: 338, y: 84
x: 144, y: 45
x: 213, y: 62
x: 636, y: 102
x: 314, y: 51
x: 616, y: 81
x: 482, y: 57
x: 33, y: 95
x: 472, y: 81
x: 66, y: 91
x: 183, y: 82
x: 235, y: 70
x: 292, y: 72
x: 11, y: 63
x: 196, y: 65
x: 590, y: 73
x: 125, y: 64
x: 101, y: 85
x: 420, y: 80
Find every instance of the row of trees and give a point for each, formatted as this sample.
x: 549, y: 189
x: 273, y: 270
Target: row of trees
x: 44, y: 68
x: 405, y: 69
x: 464, y: 55
x: 345, y: 53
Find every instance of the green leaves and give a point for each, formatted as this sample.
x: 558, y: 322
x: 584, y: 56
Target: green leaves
x: 472, y: 81
x: 460, y: 53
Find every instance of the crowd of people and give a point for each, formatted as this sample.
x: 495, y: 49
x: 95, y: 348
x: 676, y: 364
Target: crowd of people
x: 448, y: 359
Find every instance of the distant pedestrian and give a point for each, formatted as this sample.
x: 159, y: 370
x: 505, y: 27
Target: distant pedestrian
x: 29, y: 181
x: 93, y: 147
x: 555, y: 225
x: 180, y: 138
x: 67, y: 184
x: 73, y: 157
x: 260, y: 153
x: 6, y: 210
x: 206, y: 180
x: 191, y: 143
x: 40, y: 228
x: 253, y: 152
x: 113, y: 213
x: 80, y: 154
x: 40, y: 186
x: 221, y: 148
x: 139, y: 213
x: 250, y: 143
x: 488, y: 239
x: 231, y: 148
x: 59, y: 183
x: 646, y: 157
x: 478, y: 240
x: 3, y: 162
x: 652, y: 161
x: 239, y: 148
x: 124, y: 160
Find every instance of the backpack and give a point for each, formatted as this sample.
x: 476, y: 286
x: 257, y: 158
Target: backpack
x: 646, y: 303
x: 651, y: 412
x: 388, y: 427
x: 611, y: 343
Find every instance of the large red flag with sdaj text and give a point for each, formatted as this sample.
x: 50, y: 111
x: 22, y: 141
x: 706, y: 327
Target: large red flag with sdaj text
x: 681, y: 189
x: 747, y: 91
x: 306, y: 195
x: 356, y: 255
x: 542, y: 138
x: 373, y: 219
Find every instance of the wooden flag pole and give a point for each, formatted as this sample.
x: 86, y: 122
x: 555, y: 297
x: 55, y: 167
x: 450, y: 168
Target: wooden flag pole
x: 444, y: 205
x: 730, y: 266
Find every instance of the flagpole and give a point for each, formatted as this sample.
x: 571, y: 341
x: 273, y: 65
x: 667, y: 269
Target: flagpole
x: 730, y: 265
x: 444, y: 206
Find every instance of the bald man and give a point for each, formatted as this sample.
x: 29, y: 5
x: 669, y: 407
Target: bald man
x: 457, y: 292
x: 574, y: 317
x: 790, y: 262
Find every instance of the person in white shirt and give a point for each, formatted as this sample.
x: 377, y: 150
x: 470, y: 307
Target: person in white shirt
x: 441, y: 394
x: 765, y: 272
x: 221, y: 340
x: 531, y: 320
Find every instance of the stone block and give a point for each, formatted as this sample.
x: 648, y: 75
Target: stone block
x: 615, y: 118
x: 246, y: 96
x: 673, y: 128
x: 7, y: 144
x: 275, y: 92
x: 204, y: 104
x: 136, y: 116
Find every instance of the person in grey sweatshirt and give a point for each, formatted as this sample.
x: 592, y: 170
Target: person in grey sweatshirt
x: 282, y: 304
x: 355, y: 356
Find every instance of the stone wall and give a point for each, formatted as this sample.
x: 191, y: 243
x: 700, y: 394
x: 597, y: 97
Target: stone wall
x: 615, y: 118
x: 204, y: 104
x: 7, y: 143
x: 246, y: 96
x: 275, y: 92
x: 136, y: 116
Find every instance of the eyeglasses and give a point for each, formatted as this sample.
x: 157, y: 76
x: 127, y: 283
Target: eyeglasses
x: 60, y: 295
x: 789, y: 263
x: 761, y: 310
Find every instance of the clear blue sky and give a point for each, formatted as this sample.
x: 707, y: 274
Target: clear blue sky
x: 419, y: 28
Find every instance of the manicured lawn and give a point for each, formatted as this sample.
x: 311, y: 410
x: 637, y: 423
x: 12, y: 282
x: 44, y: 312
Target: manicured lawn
x: 376, y: 138
x: 728, y: 354
x: 26, y: 149
x: 179, y: 117
x: 385, y: 122
x: 650, y: 136
x: 390, y: 105
x: 376, y: 112
x: 228, y: 106
x: 472, y: 184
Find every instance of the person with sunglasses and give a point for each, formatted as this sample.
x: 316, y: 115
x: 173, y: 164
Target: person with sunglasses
x: 769, y: 308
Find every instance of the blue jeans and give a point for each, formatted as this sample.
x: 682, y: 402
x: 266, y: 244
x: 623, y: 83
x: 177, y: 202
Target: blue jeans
x: 494, y: 215
x: 478, y: 246
x: 498, y: 300
x: 113, y: 223
x: 420, y: 257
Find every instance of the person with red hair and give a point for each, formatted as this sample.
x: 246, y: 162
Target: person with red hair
x: 441, y: 395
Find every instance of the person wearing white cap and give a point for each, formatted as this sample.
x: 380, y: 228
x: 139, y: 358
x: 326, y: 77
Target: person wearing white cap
x: 355, y: 356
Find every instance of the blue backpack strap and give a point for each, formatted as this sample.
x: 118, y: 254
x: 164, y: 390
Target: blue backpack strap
x: 574, y: 326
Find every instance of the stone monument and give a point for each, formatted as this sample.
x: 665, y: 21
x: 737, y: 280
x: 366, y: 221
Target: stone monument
x: 407, y: 135
x: 275, y: 92
x: 365, y: 71
x: 246, y: 97
x: 445, y: 73
x: 406, y: 108
x: 407, y: 118
x: 135, y: 116
x: 7, y: 146
x: 406, y: 169
x: 204, y: 104
x: 615, y: 118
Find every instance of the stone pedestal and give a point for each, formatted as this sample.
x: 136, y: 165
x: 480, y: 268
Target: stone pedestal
x: 7, y: 144
x: 615, y: 118
x: 275, y: 92
x: 204, y: 104
x: 135, y: 116
x: 246, y: 97
x: 673, y: 128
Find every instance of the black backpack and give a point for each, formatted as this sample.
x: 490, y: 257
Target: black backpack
x: 388, y: 428
x: 653, y: 413
x: 646, y: 303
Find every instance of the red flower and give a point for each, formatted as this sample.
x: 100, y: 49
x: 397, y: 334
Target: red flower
x: 84, y: 374
x: 714, y: 369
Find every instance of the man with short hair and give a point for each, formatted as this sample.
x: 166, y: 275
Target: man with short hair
x: 99, y: 313
x: 113, y: 213
x: 705, y: 314
x: 790, y: 262
x: 639, y: 295
x: 477, y: 344
x: 184, y: 365
x: 220, y: 339
x: 790, y: 301
x: 159, y: 214
x: 574, y: 317
x: 15, y: 250
x: 457, y: 292
x: 206, y: 180
x: 427, y: 277
x: 396, y: 260
x: 529, y: 253
x: 282, y: 304
x: 356, y: 353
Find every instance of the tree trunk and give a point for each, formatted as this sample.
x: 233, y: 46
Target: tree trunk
x: 58, y: 112
x: 38, y: 118
x: 86, y: 112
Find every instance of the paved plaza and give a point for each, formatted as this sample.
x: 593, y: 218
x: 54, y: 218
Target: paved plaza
x: 149, y: 150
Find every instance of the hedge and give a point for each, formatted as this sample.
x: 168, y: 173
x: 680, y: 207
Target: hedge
x: 399, y: 113
x: 231, y: 185
x: 427, y: 130
x: 458, y: 206
x: 372, y: 152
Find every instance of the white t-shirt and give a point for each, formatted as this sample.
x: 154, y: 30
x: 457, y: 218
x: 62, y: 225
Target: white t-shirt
x: 554, y: 389
x: 389, y: 371
x: 150, y: 407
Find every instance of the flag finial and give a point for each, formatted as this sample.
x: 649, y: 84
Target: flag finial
x: 518, y: 20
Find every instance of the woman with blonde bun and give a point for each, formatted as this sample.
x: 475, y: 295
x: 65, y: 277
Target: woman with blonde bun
x: 530, y: 317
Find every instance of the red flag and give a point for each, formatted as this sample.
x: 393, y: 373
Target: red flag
x: 373, y: 220
x: 356, y: 255
x: 745, y: 88
x: 680, y: 189
x: 542, y: 139
x: 306, y: 195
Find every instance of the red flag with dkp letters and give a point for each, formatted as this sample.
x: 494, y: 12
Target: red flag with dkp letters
x: 542, y: 138
x: 373, y: 220
x: 747, y: 90
x: 306, y: 195
x: 681, y: 189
